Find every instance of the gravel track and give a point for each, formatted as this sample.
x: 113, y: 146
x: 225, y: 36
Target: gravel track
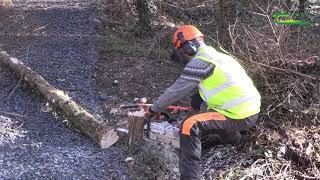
x: 57, y: 43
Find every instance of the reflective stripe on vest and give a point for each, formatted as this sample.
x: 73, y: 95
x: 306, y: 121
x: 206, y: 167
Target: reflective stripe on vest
x: 228, y: 90
x: 214, y: 91
x: 238, y: 101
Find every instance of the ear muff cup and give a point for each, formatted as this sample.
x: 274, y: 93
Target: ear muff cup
x: 188, y: 46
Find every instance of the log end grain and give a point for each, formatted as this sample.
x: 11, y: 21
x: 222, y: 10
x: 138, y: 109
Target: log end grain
x: 108, y: 139
x: 136, y: 130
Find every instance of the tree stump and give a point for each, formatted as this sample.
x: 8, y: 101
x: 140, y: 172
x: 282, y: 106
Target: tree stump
x: 82, y: 120
x: 136, y: 130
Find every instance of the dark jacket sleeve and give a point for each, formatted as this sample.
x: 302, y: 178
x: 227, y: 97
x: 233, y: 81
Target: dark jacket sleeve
x: 195, y: 71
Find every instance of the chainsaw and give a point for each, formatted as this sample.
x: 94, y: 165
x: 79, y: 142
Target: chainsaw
x: 166, y: 131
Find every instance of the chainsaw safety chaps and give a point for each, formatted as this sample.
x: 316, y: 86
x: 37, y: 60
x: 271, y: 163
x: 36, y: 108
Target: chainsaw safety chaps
x: 199, y: 125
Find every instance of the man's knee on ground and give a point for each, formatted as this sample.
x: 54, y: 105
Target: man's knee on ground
x: 189, y: 129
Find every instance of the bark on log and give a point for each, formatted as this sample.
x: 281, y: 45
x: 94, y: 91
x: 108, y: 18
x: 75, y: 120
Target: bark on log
x: 102, y: 134
x: 136, y: 130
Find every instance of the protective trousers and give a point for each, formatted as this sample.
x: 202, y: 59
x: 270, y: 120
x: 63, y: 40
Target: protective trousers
x: 203, y: 124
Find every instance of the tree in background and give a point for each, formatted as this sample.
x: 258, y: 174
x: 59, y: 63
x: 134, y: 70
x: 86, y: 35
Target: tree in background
x: 142, y: 7
x: 301, y: 6
x: 227, y: 15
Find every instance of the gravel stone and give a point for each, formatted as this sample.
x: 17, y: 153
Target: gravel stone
x: 56, y: 39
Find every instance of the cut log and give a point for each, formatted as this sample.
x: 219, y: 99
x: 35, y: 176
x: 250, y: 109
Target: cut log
x: 136, y: 130
x: 79, y: 118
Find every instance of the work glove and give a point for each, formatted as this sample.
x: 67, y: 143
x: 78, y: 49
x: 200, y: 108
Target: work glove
x: 150, y: 114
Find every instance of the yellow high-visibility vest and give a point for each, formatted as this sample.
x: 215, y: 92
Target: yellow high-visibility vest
x: 229, y: 90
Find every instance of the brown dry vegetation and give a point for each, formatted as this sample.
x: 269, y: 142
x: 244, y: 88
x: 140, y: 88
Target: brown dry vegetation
x: 283, y: 60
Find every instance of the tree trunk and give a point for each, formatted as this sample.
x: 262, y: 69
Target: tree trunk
x: 301, y: 6
x: 288, y: 5
x: 104, y: 135
x: 227, y: 15
x: 143, y: 11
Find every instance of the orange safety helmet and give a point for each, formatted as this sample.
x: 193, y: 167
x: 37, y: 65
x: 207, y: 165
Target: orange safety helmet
x: 189, y: 32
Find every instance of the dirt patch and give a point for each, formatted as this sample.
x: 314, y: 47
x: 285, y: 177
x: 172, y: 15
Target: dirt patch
x: 125, y: 72
x: 136, y: 76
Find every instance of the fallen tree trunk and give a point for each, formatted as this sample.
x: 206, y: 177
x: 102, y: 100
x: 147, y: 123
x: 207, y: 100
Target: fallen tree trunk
x: 104, y: 135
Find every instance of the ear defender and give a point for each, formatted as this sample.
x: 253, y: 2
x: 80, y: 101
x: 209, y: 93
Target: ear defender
x: 188, y: 46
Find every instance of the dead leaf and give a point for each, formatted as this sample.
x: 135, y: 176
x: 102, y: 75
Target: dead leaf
x: 299, y: 140
x: 316, y: 136
x: 298, y: 137
x: 268, y: 153
x: 309, y: 149
x: 275, y: 136
x: 283, y: 150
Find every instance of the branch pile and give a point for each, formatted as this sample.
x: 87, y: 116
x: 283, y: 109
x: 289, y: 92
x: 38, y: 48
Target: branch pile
x: 284, y: 62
